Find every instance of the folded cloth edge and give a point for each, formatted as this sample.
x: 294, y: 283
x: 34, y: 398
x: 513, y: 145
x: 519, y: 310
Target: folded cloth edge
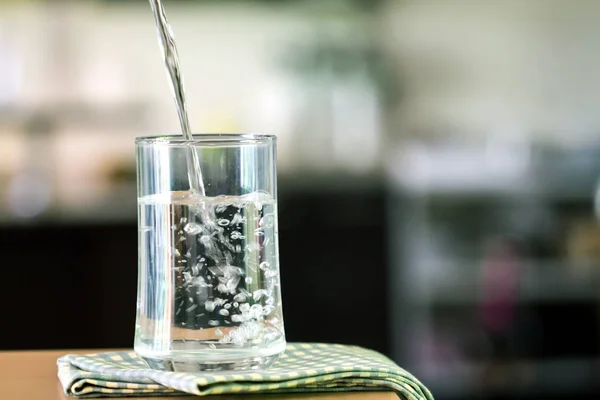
x: 82, y: 378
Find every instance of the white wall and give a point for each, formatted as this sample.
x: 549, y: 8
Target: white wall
x: 480, y: 66
x: 231, y: 59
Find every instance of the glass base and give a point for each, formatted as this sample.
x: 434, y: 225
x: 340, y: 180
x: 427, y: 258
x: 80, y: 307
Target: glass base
x: 191, y: 365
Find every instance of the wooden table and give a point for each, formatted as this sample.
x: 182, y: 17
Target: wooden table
x: 31, y: 375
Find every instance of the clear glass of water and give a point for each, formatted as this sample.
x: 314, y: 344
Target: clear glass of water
x: 208, y: 286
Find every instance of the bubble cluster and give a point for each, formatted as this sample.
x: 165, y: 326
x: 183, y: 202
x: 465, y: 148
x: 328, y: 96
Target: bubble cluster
x: 226, y: 268
x: 193, y: 228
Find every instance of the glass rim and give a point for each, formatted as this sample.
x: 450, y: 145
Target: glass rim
x: 207, y: 139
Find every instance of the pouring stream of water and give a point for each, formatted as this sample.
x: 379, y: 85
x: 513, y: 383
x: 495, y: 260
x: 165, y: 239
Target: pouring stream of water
x: 167, y: 44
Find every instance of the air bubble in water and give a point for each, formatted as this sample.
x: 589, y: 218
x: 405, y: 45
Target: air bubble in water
x: 238, y: 219
x: 222, y: 288
x: 256, y: 311
x: 193, y: 228
x: 209, y: 306
x: 213, y: 322
x: 258, y: 294
x: 199, y: 281
x: 248, y: 280
x: 232, y: 284
x: 228, y: 256
x: 267, y: 221
x: 244, y: 307
x: 271, y: 334
x: 223, y: 222
x: 183, y: 220
x: 268, y: 310
x: 240, y: 297
x: 191, y: 308
x: 226, y: 271
x: 224, y: 312
x: 219, y: 301
x: 264, y: 265
x: 235, y: 235
x: 227, y: 306
x: 270, y: 273
x: 197, y: 268
x: 236, y: 318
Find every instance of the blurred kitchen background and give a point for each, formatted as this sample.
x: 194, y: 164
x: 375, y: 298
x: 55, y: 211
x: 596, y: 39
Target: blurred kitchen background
x: 438, y: 173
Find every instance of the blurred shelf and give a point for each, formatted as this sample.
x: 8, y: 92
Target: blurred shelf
x: 330, y: 181
x: 458, y: 172
x: 120, y: 205
x: 557, y: 377
x: 98, y: 115
x: 539, y: 282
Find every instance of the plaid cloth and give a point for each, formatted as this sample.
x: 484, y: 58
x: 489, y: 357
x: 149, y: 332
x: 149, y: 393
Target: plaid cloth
x: 303, y: 367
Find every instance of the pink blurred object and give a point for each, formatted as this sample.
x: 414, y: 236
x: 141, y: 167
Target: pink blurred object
x: 499, y: 287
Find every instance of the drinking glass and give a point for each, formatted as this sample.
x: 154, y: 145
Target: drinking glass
x: 208, y: 273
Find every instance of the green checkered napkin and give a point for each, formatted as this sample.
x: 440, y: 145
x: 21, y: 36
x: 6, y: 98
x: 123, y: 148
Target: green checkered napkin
x: 304, y: 367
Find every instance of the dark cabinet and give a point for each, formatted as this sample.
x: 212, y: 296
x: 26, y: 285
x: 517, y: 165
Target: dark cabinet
x: 73, y: 285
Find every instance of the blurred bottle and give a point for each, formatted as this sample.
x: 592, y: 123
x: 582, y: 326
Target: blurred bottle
x: 30, y: 190
x: 498, y: 308
x: 500, y: 272
x: 9, y: 70
x: 339, y: 110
